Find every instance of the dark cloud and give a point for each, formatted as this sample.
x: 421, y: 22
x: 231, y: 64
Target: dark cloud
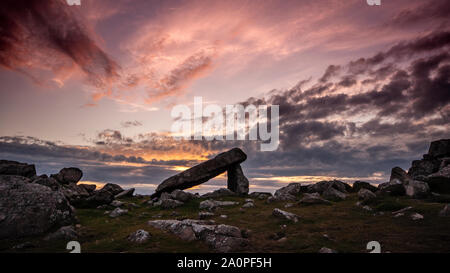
x: 134, y: 123
x: 49, y: 35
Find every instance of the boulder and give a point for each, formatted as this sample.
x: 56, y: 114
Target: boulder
x: 221, y: 238
x: 68, y: 175
x: 439, y: 182
x: 125, y: 193
x: 285, y: 215
x: 322, y: 186
x: 117, y: 203
x: 417, y: 189
x: 118, y: 212
x: 202, y: 172
x: 393, y: 188
x: 170, y: 203
x: 31, y: 209
x: 138, y: 237
x: 182, y: 196
x: 366, y: 195
x: 445, y: 212
x: 313, y: 199
x: 212, y: 204
x: 248, y: 205
x: 90, y: 188
x: 97, y: 198
x: 260, y: 195
x: 440, y: 148
x: 236, y: 180
x: 76, y: 194
x: 219, y: 193
x: 66, y: 233
x: 400, y: 174
x: 205, y: 215
x: 114, y: 189
x: 327, y: 250
x: 416, y: 216
x: 424, y: 167
x: 8, y: 167
x: 47, y: 181
x: 363, y: 185
x: 334, y: 195
x: 288, y: 193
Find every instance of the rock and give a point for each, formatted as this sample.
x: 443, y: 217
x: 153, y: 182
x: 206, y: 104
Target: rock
x: 170, y: 203
x: 223, y: 216
x: 219, y: 193
x: 416, y: 216
x: 139, y: 237
x: 204, y: 215
x: 445, y: 212
x: 31, y: 209
x: 66, y: 233
x: 118, y: 212
x: 68, y: 175
x: 260, y: 195
x: 313, y: 199
x: 366, y: 195
x: 333, y: 194
x: 417, y: 189
x: 74, y: 193
x: 322, y: 186
x: 402, y: 210
x: 367, y: 208
x: 212, y: 204
x: 98, y: 198
x: 277, y: 235
x: 399, y: 174
x: 327, y: 250
x: 182, y: 196
x: 114, y: 189
x: 363, y: 185
x: 117, y: 203
x: 248, y: 205
x: 285, y: 215
x: 47, y: 181
x: 8, y: 167
x: 288, y: 205
x: 222, y: 238
x: 393, y: 188
x: 288, y: 193
x: 439, y: 182
x: 398, y: 215
x: 423, y: 168
x: 90, y: 188
x: 439, y: 148
x: 125, y: 193
x: 236, y: 180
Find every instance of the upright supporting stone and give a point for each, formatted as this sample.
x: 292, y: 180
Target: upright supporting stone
x: 202, y: 172
x: 237, y: 182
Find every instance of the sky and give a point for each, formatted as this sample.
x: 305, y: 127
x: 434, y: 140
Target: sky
x: 360, y: 88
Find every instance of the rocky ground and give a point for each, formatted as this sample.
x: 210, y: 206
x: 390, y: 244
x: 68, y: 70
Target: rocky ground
x: 410, y: 213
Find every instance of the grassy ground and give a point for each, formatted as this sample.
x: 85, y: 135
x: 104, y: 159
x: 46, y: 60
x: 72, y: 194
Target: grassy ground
x: 348, y: 228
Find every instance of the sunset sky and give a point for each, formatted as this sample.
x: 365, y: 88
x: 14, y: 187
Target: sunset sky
x: 361, y: 88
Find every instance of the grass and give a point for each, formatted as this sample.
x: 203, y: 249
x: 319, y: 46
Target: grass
x: 343, y: 226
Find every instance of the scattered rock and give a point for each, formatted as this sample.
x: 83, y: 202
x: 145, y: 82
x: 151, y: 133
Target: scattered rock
x: 138, y: 237
x: 182, y: 196
x: 327, y: 250
x: 322, y: 186
x: 248, y: 205
x: 66, y: 233
x: 236, y: 180
x: 440, y: 181
x: 114, y: 189
x: 277, y: 235
x: 399, y: 174
x: 8, y: 167
x: 118, y: 212
x: 31, y: 209
x: 313, y: 199
x: 260, y: 195
x: 213, y: 204
x: 398, y: 215
x: 402, y: 210
x: 285, y: 215
x: 445, y: 212
x: 169, y: 203
x: 205, y: 215
x: 125, y: 193
x: 117, y: 203
x: 367, y: 208
x: 223, y: 216
x: 416, y: 216
x: 90, y: 188
x: 288, y: 205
